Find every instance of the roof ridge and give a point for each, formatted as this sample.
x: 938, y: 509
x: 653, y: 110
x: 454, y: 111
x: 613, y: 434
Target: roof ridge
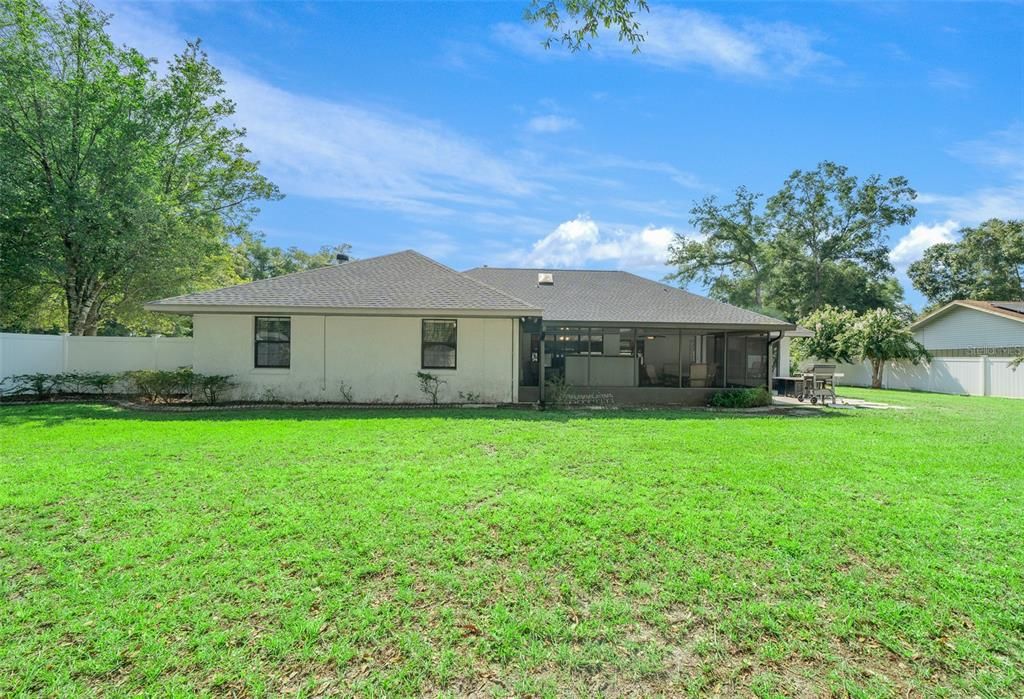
x: 990, y: 307
x: 297, y: 272
x: 465, y: 276
x: 548, y: 269
x: 403, y: 270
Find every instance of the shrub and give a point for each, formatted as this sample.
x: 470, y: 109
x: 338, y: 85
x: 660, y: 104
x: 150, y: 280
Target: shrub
x: 88, y: 382
x: 158, y: 385
x: 469, y: 397
x: 42, y: 385
x: 555, y: 390
x: 741, y: 398
x: 430, y: 385
x: 345, y: 390
x: 211, y: 385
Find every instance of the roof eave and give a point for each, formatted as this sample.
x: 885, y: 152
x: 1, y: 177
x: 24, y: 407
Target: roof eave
x: 725, y: 327
x: 246, y: 309
x: 963, y: 303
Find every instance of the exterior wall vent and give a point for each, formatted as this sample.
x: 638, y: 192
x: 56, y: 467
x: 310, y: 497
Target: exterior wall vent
x: 545, y: 278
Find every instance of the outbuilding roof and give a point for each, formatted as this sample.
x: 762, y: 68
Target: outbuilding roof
x: 1007, y: 309
x: 402, y: 281
x: 618, y: 297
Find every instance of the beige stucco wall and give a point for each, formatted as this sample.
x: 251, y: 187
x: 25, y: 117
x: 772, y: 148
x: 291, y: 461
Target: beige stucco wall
x: 377, y: 356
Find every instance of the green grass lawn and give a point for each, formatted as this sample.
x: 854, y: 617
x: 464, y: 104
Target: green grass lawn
x: 511, y: 552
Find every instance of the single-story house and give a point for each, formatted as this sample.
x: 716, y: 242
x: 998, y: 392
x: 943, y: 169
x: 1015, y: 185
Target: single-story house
x: 361, y: 330
x: 973, y: 329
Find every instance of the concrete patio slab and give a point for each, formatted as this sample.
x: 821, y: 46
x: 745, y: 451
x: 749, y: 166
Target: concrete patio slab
x: 845, y: 403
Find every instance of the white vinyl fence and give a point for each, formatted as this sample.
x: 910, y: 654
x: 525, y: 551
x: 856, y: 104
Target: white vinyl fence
x: 57, y: 354
x: 976, y: 376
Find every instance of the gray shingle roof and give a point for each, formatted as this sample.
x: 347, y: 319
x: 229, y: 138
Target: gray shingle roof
x: 617, y: 297
x: 403, y: 280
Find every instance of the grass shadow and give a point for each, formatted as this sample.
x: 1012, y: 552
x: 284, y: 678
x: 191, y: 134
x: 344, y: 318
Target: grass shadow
x: 52, y: 414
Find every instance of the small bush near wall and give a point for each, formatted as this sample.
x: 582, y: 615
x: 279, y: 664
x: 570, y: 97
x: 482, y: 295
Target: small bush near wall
x: 555, y: 390
x: 430, y: 385
x: 161, y: 386
x: 89, y: 382
x: 152, y: 385
x: 741, y: 398
x: 43, y: 385
x: 211, y: 386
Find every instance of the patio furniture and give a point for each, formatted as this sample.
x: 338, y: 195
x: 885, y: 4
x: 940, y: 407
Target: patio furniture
x: 787, y: 385
x: 700, y: 375
x: 818, y: 384
x: 652, y: 375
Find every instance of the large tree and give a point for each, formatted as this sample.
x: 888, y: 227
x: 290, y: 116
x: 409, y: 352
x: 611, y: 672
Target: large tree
x: 830, y: 232
x: 987, y: 264
x: 732, y: 254
x: 257, y: 260
x: 116, y: 184
x: 818, y: 241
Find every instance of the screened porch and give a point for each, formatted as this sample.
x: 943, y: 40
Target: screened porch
x: 641, y: 357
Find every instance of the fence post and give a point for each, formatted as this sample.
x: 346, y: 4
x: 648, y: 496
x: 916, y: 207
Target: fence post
x: 65, y: 351
x: 984, y: 375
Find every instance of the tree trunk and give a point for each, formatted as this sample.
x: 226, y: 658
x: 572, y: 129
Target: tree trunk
x: 80, y: 305
x: 92, y: 320
x: 877, y: 366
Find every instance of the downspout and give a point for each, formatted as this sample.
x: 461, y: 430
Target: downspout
x: 540, y: 373
x: 725, y: 359
x: 516, y: 351
x: 679, y: 367
x: 769, y: 356
x: 323, y: 385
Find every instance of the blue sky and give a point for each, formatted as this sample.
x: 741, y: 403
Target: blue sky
x: 447, y: 128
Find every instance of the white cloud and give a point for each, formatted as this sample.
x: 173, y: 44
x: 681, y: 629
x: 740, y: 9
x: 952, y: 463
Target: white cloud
x: 551, y: 123
x: 372, y: 156
x: 364, y: 154
x: 911, y: 247
x: 1002, y: 149
x: 345, y: 151
x: 945, y: 79
x: 1001, y: 152
x: 687, y: 180
x: 581, y: 241
x: 682, y: 38
x: 978, y: 205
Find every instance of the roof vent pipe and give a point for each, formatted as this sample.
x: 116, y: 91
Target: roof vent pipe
x: 341, y: 257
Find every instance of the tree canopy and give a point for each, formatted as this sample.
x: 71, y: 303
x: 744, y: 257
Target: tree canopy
x: 574, y: 23
x: 117, y: 184
x: 877, y: 336
x: 986, y: 264
x: 733, y: 256
x: 818, y: 241
x: 829, y: 342
x: 257, y: 260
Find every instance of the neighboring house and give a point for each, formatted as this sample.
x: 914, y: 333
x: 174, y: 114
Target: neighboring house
x: 493, y: 335
x: 973, y: 329
x: 972, y: 343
